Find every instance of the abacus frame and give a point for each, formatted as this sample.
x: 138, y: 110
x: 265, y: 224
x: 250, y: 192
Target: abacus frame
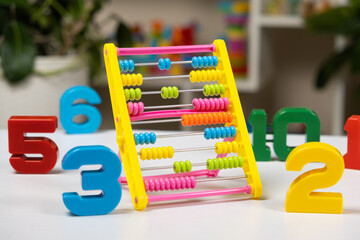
x: 125, y: 139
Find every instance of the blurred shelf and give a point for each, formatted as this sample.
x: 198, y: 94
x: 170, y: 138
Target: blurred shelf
x: 268, y: 21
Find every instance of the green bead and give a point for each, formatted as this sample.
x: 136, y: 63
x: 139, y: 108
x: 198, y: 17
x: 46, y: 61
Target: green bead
x: 222, y: 88
x: 188, y: 166
x: 127, y: 94
x: 175, y: 92
x: 164, y: 92
x: 176, y: 167
x: 137, y: 93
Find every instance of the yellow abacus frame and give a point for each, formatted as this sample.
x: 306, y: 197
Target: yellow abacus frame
x: 125, y: 138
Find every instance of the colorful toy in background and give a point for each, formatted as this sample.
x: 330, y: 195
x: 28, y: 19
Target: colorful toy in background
x: 236, y: 34
x: 304, y: 8
x: 225, y: 110
x: 164, y: 35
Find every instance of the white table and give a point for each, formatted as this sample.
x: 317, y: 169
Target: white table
x: 31, y: 206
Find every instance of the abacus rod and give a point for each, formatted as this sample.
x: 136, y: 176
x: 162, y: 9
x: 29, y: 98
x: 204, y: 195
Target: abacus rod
x: 180, y: 91
x: 157, y: 121
x: 191, y: 149
x: 165, y: 77
x: 167, y: 106
x: 156, y: 63
x: 219, y: 179
x: 180, y: 134
x: 170, y: 167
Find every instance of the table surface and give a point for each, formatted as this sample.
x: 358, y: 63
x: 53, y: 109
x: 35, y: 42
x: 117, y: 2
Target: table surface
x: 31, y: 206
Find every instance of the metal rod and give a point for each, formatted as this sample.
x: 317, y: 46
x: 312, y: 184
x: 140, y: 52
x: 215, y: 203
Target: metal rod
x: 191, y: 149
x: 156, y: 63
x: 165, y: 77
x: 157, y: 121
x: 180, y: 91
x: 170, y: 167
x: 167, y: 106
x: 219, y: 178
x: 180, y: 134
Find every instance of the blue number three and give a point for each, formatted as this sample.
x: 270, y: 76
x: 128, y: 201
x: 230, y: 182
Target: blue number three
x: 104, y: 179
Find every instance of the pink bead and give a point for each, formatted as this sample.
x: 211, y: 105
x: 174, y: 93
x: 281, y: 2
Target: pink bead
x: 130, y: 106
x: 227, y: 102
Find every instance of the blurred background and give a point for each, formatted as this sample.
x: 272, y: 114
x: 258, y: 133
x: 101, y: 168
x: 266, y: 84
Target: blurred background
x: 284, y: 53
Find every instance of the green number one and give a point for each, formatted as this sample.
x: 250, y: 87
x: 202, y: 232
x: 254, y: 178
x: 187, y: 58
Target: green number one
x: 258, y: 122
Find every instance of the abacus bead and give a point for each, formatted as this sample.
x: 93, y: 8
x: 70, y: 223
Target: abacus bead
x: 161, y: 64
x: 211, y: 61
x: 137, y: 93
x: 121, y: 63
x: 136, y: 138
x: 201, y: 62
x: 216, y: 61
x: 167, y: 63
x: 141, y: 138
x: 132, y: 65
x: 233, y: 131
x: 206, y: 62
x: 207, y: 133
x: 152, y: 137
x: 188, y: 166
x: 127, y: 94
x: 126, y: 65
x: 175, y: 92
x: 195, y: 62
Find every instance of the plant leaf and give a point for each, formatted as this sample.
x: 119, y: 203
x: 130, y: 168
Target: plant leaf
x: 17, y: 52
x: 124, y: 36
x: 340, y: 20
x: 332, y: 65
x: 18, y: 3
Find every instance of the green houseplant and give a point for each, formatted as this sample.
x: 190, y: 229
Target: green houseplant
x: 343, y: 20
x: 51, y: 27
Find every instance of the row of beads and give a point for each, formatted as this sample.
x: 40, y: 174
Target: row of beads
x: 165, y: 183
x: 206, y: 118
x: 209, y: 133
x: 173, y: 92
x: 165, y: 64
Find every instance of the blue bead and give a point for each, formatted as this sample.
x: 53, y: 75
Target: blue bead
x: 207, y: 133
x: 167, y: 63
x: 161, y: 64
x: 227, y: 132
x: 121, y: 63
x: 201, y: 62
x: 136, y: 138
x: 132, y: 65
x: 206, y: 62
x: 152, y: 137
x: 211, y: 61
x: 126, y: 65
x: 233, y: 131
x: 195, y: 62
x: 141, y: 138
x: 223, y: 132
x: 216, y: 61
x: 217, y: 132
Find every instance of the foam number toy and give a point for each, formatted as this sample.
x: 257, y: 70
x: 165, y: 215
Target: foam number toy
x: 258, y: 121
x: 300, y: 196
x: 294, y: 115
x: 68, y: 110
x: 222, y: 107
x: 352, y: 157
x: 20, y: 144
x: 104, y: 179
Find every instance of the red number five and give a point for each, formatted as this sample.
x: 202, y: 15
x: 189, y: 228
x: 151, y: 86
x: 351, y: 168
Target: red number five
x: 19, y: 144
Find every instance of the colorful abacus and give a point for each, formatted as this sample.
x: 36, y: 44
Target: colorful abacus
x: 225, y: 109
